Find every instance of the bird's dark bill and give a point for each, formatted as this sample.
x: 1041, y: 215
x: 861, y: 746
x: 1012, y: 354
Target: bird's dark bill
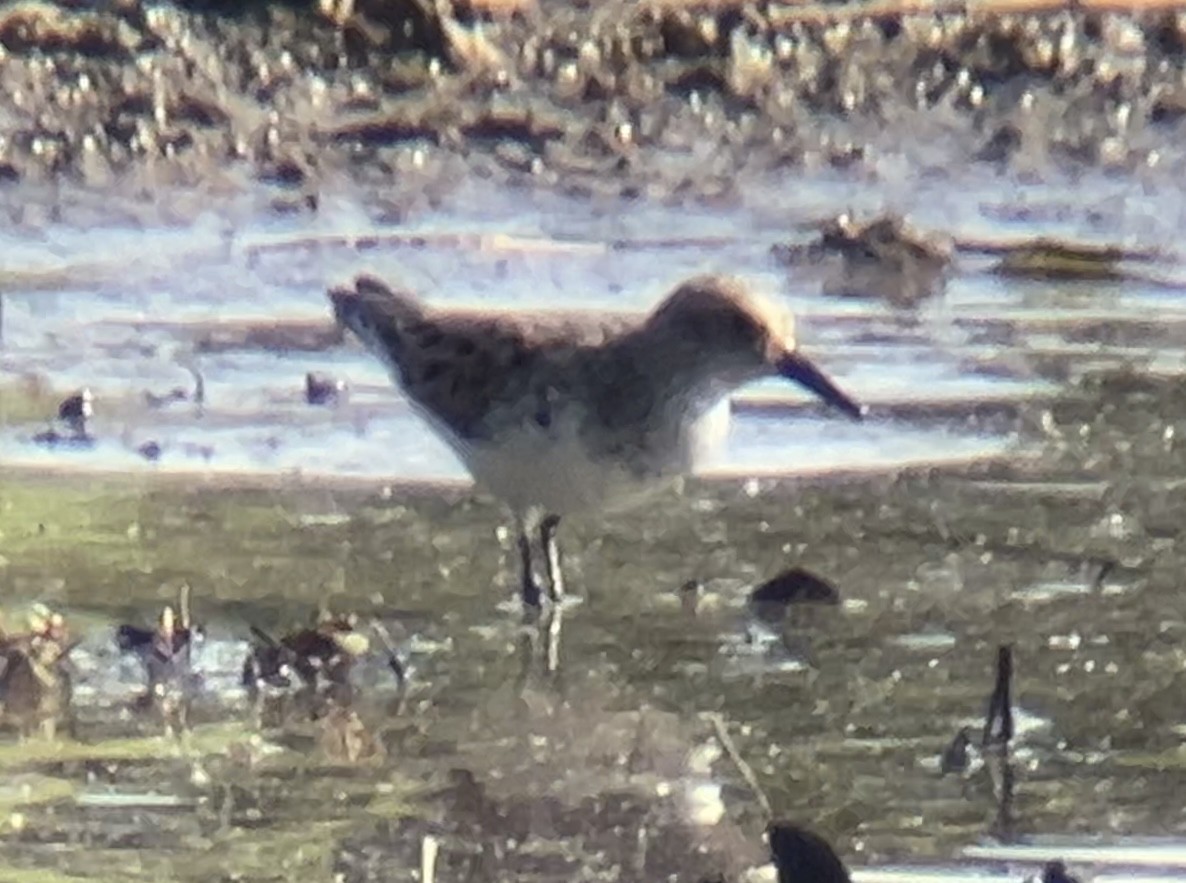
x: 799, y: 369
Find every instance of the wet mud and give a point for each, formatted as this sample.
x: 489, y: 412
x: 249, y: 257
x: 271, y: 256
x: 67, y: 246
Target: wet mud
x: 519, y: 773
x: 659, y: 100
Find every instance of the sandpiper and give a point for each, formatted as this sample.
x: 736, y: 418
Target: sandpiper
x: 561, y: 413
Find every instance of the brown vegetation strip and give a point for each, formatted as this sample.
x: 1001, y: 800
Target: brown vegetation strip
x: 483, y: 242
x: 202, y: 478
x: 1087, y: 251
x: 978, y: 411
x: 820, y: 13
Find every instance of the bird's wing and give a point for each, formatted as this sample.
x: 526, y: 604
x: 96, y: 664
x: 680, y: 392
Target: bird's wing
x: 459, y: 367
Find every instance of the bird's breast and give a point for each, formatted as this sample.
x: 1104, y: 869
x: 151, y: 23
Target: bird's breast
x: 705, y: 437
x: 573, y: 464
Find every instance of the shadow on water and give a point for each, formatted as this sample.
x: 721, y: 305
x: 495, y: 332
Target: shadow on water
x: 1017, y: 483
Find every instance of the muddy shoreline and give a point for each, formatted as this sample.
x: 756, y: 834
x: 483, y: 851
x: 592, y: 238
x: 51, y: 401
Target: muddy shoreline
x: 663, y: 101
x: 1074, y: 557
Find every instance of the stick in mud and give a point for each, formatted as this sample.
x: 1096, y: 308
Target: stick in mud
x: 393, y: 660
x: 1000, y: 703
x: 263, y: 636
x: 186, y: 622
x: 429, y: 847
x: 199, y: 394
x: 747, y: 772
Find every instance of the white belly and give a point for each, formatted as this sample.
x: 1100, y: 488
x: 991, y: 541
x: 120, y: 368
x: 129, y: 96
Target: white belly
x: 554, y: 470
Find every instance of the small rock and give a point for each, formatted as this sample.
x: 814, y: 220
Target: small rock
x: 955, y: 756
x: 285, y: 173
x: 804, y: 857
x: 1056, y: 872
x: 1001, y: 145
x: 795, y: 586
x: 321, y: 389
x: 150, y: 450
x: 690, y: 594
x: 76, y: 410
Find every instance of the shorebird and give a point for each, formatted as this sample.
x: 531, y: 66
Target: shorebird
x: 561, y: 413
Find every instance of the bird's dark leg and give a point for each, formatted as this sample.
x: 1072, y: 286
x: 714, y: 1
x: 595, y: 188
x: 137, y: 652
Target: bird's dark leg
x: 547, y: 535
x: 529, y: 587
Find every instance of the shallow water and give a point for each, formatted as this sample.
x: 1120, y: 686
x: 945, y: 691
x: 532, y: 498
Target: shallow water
x: 1011, y: 451
x: 132, y: 332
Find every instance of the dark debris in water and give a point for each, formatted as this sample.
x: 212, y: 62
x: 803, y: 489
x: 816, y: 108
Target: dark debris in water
x: 162, y: 400
x: 327, y: 650
x: 317, y: 661
x: 150, y: 450
x: 883, y: 259
x: 795, y: 586
x: 802, y: 856
x: 1056, y: 872
x: 321, y: 389
x: 70, y: 431
x: 955, y: 757
x: 1045, y: 259
x: 166, y: 653
x: 76, y: 410
x: 36, y: 674
x: 52, y: 438
x: 772, y: 601
x: 269, y: 335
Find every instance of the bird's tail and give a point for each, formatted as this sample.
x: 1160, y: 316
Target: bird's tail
x: 400, y: 304
x: 372, y: 303
x: 381, y: 317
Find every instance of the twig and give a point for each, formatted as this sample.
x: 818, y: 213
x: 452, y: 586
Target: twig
x: 1086, y: 251
x: 183, y: 605
x: 186, y: 623
x: 429, y: 847
x: 821, y: 13
x: 747, y: 772
x: 478, y: 242
x: 393, y: 661
x: 199, y: 393
x: 263, y: 636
